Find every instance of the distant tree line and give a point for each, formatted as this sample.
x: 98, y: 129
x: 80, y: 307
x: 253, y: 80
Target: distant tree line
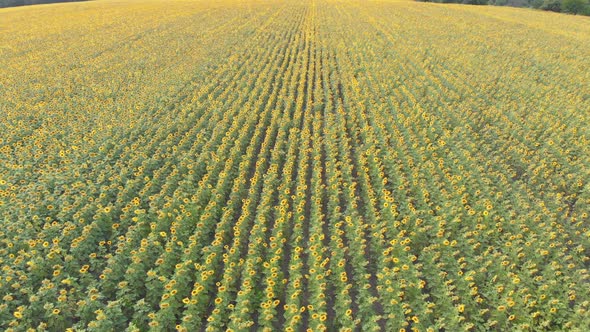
x: 14, y: 3
x: 580, y: 7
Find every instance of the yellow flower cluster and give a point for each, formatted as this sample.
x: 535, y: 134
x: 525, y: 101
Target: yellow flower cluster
x: 313, y: 165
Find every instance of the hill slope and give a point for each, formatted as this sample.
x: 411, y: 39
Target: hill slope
x: 290, y: 165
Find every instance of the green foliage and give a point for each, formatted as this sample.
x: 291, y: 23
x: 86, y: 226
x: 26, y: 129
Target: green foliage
x: 498, y: 2
x: 536, y: 3
x: 551, y: 5
x: 574, y: 6
x: 475, y: 2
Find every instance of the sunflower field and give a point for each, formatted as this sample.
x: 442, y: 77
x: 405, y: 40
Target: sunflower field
x: 317, y: 165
